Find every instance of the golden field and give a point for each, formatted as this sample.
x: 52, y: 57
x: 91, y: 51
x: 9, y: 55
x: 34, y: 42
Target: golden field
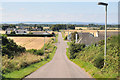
x: 2, y: 32
x: 89, y: 31
x: 31, y: 42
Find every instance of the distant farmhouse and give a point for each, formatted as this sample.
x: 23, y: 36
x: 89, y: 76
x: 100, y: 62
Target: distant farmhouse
x: 29, y: 28
x: 21, y: 31
x: 9, y: 30
x: 91, y: 38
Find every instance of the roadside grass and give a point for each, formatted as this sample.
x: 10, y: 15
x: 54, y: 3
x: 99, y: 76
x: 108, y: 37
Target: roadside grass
x: 26, y: 71
x: 90, y: 68
x: 93, y: 71
x: 63, y: 35
x: 22, y: 72
x: 68, y: 43
x: 56, y: 38
x: 106, y: 73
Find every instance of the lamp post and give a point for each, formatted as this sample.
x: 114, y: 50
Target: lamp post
x: 68, y: 32
x: 44, y: 44
x: 105, y: 4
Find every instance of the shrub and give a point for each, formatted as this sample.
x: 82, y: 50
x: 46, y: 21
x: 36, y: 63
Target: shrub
x: 13, y: 32
x: 74, y: 48
x: 53, y: 33
x: 99, y: 61
x: 30, y: 33
x: 10, y: 48
x: 36, y: 52
x: 39, y: 52
x: 73, y: 36
x: 65, y: 38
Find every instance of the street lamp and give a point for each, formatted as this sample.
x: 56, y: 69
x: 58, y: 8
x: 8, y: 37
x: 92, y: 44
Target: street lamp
x: 105, y: 4
x: 68, y: 32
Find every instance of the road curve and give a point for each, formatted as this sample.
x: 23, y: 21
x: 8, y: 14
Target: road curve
x: 60, y: 66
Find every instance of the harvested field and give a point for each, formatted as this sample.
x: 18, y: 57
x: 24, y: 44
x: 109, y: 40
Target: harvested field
x: 30, y: 42
x: 2, y: 32
x: 90, y: 31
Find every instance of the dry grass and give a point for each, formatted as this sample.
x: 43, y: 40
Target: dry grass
x: 31, y: 42
x: 17, y: 62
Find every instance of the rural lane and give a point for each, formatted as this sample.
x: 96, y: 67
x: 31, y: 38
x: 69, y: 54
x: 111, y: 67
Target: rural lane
x: 60, y: 66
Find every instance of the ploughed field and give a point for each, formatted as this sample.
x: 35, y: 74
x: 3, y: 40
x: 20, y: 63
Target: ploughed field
x: 31, y: 42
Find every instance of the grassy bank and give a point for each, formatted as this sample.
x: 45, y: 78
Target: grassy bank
x: 26, y: 63
x: 33, y: 67
x: 91, y: 58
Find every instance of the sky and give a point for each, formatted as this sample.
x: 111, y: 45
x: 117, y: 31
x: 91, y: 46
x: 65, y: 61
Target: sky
x: 58, y: 12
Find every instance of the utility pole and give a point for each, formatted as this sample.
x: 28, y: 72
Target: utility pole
x: 68, y: 32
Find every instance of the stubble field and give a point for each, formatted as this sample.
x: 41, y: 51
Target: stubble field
x: 31, y: 42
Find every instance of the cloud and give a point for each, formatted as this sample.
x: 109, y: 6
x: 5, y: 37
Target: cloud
x: 1, y: 8
x: 22, y: 8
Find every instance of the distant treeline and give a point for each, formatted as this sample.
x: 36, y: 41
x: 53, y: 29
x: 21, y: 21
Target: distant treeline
x: 53, y: 27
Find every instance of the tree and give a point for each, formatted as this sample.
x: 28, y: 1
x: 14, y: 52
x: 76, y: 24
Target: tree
x: 12, y: 26
x: 102, y: 27
x: 10, y: 48
x: 73, y: 36
x: 71, y: 26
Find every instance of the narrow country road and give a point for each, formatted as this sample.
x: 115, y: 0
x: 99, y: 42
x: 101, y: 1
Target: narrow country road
x: 60, y: 66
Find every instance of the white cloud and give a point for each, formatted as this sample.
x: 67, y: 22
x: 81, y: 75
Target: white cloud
x: 1, y: 8
x: 22, y: 8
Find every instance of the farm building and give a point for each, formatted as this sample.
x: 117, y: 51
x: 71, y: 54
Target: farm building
x: 21, y: 31
x: 89, y: 38
x: 16, y: 31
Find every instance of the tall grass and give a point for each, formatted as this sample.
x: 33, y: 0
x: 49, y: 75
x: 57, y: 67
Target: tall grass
x: 19, y: 74
x: 24, y: 60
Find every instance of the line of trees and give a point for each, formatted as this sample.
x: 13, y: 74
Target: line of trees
x: 54, y: 27
x: 58, y: 27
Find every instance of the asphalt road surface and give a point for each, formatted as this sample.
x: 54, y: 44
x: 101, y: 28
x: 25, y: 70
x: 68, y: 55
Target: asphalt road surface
x: 60, y: 66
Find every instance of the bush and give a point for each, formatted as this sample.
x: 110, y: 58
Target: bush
x: 36, y: 52
x: 13, y: 32
x: 73, y: 36
x: 99, y: 61
x: 53, y: 33
x: 10, y: 48
x: 30, y: 33
x: 74, y: 48
x: 65, y: 38
x: 39, y: 52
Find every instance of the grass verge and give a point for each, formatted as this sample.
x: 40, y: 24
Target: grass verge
x: 19, y: 74
x: 95, y: 72
x: 63, y: 35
